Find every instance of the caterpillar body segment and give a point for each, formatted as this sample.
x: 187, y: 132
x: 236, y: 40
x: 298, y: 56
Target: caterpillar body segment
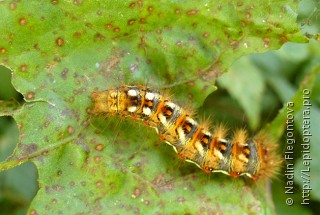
x: 212, y: 151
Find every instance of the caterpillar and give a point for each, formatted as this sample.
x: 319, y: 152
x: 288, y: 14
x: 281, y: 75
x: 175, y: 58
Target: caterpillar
x: 212, y: 151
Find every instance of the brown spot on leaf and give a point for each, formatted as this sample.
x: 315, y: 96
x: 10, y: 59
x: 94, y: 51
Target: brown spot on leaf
x: 150, y: 9
x: 132, y: 5
x: 100, y: 36
x: 205, y: 35
x: 146, y: 202
x: 108, y: 26
x: 33, y: 212
x: 110, y: 64
x: 240, y: 3
x: 64, y: 73
x: 181, y: 199
x: 143, y: 42
x: 83, y: 183
x: 89, y: 110
x: 131, y: 21
x: 283, y: 39
x: 243, y: 24
x: 77, y: 35
x: 57, y: 187
x: 89, y: 25
x: 3, y: 50
x: 19, y: 126
x: 142, y: 20
x: 30, y: 95
x: 133, y: 67
x: 93, y: 140
x: 191, y: 83
x: 97, y: 159
x: 48, y: 189
x: 70, y: 129
x: 99, y: 183
x: 266, y: 39
x: 116, y: 29
x: 192, y: 12
x: 46, y: 123
x: 77, y: 2
x: 137, y: 192
x: 22, y: 21
x: 59, y: 41
x: 28, y: 149
x: 248, y: 15
x: 54, y: 201
x: 24, y: 68
x: 177, y: 11
x: 36, y: 47
x: 99, y: 147
x: 234, y: 44
x: 54, y: 1
x: 12, y: 6
x: 57, y: 59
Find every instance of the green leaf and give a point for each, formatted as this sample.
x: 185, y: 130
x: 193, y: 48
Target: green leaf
x: 245, y: 78
x: 277, y: 127
x: 60, y: 51
x: 289, y: 114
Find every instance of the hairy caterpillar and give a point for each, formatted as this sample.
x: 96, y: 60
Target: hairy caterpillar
x: 212, y: 151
